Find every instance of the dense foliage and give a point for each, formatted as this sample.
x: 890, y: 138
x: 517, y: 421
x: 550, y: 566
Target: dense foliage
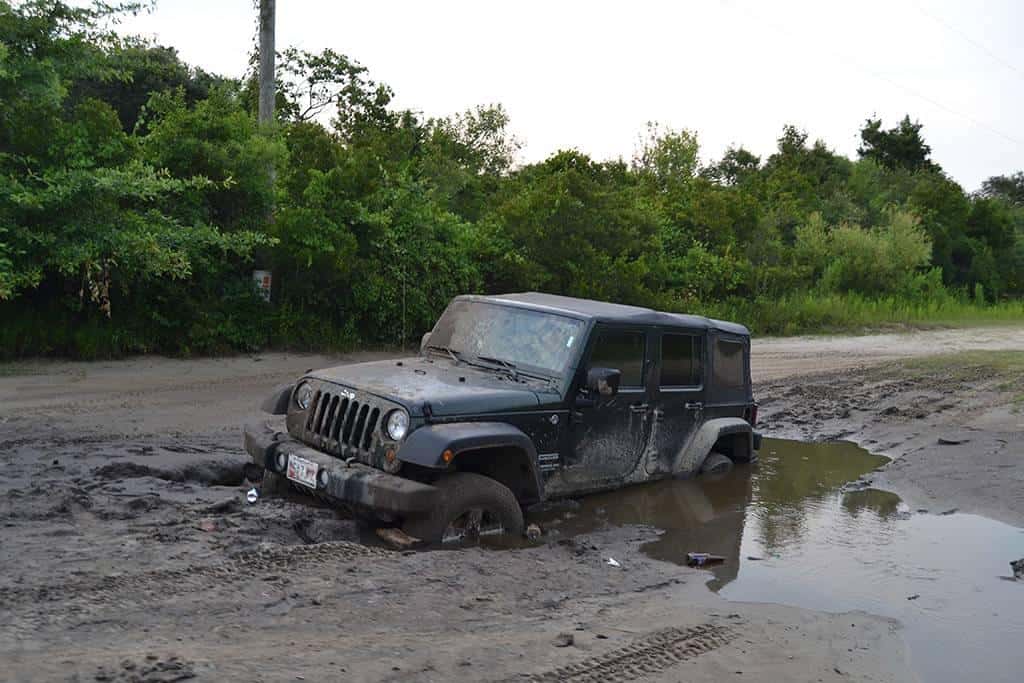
x: 138, y: 193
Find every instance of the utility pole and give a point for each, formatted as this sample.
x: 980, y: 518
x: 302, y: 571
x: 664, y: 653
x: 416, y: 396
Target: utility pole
x: 265, y: 115
x: 267, y: 55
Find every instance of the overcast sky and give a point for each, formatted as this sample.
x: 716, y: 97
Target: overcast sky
x: 590, y: 74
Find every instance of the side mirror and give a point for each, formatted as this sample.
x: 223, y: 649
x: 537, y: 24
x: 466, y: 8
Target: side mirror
x: 424, y: 340
x: 604, y: 381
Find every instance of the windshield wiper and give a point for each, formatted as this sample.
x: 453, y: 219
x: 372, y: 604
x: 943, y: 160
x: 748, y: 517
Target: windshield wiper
x: 507, y: 364
x: 446, y: 349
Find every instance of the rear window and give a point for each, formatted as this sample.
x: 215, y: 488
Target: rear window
x: 681, y: 360
x: 623, y: 351
x: 729, y: 372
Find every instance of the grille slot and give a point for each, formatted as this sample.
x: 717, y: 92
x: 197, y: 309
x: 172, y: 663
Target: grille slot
x: 312, y: 411
x: 339, y: 419
x: 332, y: 411
x: 357, y: 434
x: 350, y: 418
x: 371, y: 424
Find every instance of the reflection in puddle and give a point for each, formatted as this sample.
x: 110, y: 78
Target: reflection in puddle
x: 792, y: 535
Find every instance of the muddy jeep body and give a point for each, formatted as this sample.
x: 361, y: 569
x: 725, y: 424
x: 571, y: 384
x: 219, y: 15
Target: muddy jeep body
x: 537, y: 395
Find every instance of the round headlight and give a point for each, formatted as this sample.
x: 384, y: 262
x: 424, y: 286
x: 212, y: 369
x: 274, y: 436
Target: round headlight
x: 397, y: 424
x: 303, y: 395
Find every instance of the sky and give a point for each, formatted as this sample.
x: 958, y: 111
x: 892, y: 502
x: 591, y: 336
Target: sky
x: 590, y: 75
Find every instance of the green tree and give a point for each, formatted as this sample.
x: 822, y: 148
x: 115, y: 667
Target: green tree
x: 1009, y: 188
x: 902, y: 146
x: 574, y: 226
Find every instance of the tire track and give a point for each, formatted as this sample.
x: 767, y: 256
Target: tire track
x: 652, y: 654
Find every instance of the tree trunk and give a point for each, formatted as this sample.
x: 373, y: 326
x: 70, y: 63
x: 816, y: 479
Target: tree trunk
x: 267, y: 54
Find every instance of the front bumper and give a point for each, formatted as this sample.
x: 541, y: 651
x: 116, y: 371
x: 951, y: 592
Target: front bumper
x: 351, y: 484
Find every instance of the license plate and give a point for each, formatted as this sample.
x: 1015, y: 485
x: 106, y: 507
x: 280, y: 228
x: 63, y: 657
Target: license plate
x: 302, y: 471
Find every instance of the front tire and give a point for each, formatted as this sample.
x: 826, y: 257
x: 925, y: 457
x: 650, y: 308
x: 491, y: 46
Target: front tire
x: 470, y: 506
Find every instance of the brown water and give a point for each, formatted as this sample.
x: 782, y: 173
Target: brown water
x: 794, y: 532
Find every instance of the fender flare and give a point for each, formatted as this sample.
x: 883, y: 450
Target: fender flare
x: 704, y: 439
x: 277, y: 402
x: 425, y: 446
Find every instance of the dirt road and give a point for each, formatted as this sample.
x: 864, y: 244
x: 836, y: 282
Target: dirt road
x: 129, y: 552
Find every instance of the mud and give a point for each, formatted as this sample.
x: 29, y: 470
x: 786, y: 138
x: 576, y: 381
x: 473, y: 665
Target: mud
x: 129, y: 553
x: 802, y: 528
x: 955, y: 431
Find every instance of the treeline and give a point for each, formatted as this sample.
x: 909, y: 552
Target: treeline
x: 137, y: 194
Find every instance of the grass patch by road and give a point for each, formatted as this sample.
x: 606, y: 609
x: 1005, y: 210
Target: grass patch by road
x: 809, y: 313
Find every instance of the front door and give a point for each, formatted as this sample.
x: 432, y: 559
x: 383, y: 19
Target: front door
x: 610, y: 432
x: 679, y: 397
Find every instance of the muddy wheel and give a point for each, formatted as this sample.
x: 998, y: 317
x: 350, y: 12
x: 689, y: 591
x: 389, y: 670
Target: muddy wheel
x: 273, y: 483
x: 471, y: 506
x: 716, y: 465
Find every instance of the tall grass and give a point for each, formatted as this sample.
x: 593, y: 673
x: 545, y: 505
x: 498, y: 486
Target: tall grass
x: 810, y: 313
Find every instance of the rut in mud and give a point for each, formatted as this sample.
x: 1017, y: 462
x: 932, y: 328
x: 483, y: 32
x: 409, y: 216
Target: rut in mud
x: 652, y: 654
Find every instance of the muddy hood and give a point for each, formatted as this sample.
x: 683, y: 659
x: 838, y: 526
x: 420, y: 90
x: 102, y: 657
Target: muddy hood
x: 449, y: 389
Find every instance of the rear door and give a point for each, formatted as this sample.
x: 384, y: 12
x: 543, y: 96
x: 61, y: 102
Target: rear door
x: 729, y: 386
x: 679, y: 395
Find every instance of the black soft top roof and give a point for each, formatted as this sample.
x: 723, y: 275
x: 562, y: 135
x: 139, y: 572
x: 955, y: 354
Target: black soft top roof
x: 606, y: 312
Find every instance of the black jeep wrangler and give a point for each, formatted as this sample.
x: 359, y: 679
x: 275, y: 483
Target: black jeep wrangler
x: 514, y: 400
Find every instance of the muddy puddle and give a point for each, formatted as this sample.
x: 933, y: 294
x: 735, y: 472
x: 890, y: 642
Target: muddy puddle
x: 797, y: 530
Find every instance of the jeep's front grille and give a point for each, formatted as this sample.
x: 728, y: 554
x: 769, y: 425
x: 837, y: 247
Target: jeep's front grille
x: 340, y: 421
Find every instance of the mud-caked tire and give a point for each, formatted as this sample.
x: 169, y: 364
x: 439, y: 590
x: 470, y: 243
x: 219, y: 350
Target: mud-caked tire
x: 464, y: 496
x: 716, y: 465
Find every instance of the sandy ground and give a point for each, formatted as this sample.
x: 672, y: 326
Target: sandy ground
x: 129, y: 554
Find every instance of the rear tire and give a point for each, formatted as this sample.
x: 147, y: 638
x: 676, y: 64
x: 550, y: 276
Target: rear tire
x: 470, y: 506
x: 716, y: 465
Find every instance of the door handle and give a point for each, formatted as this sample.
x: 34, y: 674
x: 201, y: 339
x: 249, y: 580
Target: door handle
x: 696, y: 405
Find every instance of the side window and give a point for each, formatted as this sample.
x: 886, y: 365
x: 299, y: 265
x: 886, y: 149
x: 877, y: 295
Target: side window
x: 681, y: 360
x: 728, y: 364
x: 622, y: 350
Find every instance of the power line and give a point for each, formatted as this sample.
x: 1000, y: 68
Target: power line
x: 882, y: 77
x: 978, y: 44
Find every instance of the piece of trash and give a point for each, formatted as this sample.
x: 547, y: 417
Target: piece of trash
x: 396, y: 538
x: 947, y: 441
x: 915, y: 596
x: 563, y: 640
x: 208, y: 525
x: 613, y: 562
x: 703, y: 559
x: 252, y: 496
x: 533, y: 532
x: 1018, y: 568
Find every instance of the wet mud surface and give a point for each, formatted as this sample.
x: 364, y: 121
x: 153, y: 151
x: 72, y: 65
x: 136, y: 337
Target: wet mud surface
x: 803, y: 528
x: 129, y: 552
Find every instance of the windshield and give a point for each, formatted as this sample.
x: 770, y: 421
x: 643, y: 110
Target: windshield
x: 531, y: 340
